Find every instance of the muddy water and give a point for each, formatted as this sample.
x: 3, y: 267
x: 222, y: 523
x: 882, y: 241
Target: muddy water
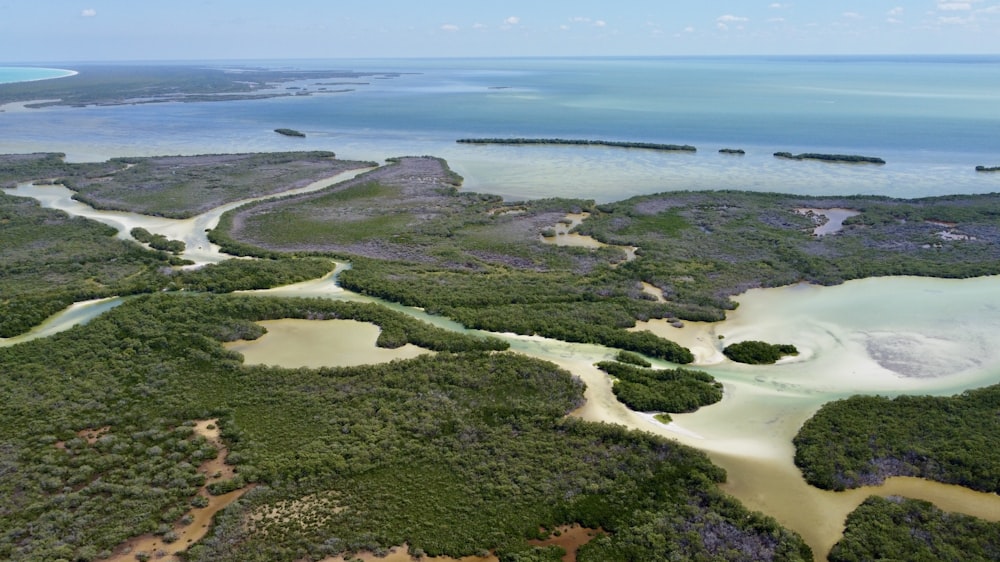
x: 887, y: 336
x: 319, y: 343
x: 193, y: 231
x: 564, y: 236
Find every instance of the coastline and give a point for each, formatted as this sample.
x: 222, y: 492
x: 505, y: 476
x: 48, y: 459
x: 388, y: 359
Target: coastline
x: 67, y: 73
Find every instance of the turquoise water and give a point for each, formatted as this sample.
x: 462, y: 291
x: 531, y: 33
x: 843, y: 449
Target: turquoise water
x: 10, y: 74
x: 933, y: 119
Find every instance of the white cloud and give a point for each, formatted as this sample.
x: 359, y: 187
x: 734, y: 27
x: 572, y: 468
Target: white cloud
x: 954, y: 6
x: 512, y: 20
x: 478, y: 26
x: 730, y: 18
x: 600, y: 23
x: 449, y: 27
x: 564, y: 27
x: 853, y: 16
x: 776, y: 20
x: 776, y: 6
x: 689, y: 29
x: 955, y: 20
x: 88, y: 13
x: 579, y: 19
x: 897, y: 11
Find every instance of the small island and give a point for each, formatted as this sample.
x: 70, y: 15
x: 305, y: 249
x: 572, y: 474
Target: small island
x: 988, y: 168
x: 290, y: 132
x: 738, y: 151
x: 757, y: 352
x: 845, y: 158
x: 617, y: 144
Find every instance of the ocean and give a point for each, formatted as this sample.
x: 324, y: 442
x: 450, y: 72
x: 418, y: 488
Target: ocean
x: 933, y: 119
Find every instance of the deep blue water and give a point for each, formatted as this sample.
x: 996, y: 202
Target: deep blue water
x: 932, y: 118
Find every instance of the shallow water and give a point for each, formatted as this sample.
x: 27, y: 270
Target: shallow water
x: 319, y: 343
x: 932, y: 119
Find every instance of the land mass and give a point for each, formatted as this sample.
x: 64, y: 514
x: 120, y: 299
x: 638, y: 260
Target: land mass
x: 845, y: 158
x: 290, y: 132
x: 476, y: 432
x: 124, y: 84
x: 581, y: 142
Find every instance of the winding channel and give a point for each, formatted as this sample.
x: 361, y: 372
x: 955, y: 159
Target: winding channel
x: 890, y: 336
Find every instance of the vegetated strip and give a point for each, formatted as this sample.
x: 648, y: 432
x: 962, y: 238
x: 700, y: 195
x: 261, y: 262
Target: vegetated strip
x: 618, y: 144
x: 847, y: 158
x: 988, y: 168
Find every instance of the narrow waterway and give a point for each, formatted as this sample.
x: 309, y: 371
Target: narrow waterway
x: 193, y: 231
x: 876, y: 336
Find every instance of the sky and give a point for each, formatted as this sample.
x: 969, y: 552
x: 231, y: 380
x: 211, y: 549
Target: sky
x: 104, y: 30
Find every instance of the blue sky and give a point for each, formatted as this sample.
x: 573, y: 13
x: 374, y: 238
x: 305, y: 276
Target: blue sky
x: 80, y: 30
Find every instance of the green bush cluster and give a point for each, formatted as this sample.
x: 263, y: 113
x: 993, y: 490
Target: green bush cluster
x: 904, y: 529
x: 157, y: 241
x: 863, y: 439
x: 755, y: 352
x: 662, y: 390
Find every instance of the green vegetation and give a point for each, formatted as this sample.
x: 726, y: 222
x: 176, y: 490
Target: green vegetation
x: 49, y: 260
x: 632, y: 359
x: 847, y: 158
x: 290, y: 132
x: 755, y: 352
x: 864, y: 439
x: 345, y: 459
x: 157, y: 241
x: 177, y: 186
x: 477, y: 434
x: 662, y: 390
x: 122, y: 84
x: 616, y: 144
x: 732, y: 151
x: 414, y: 239
x: 904, y: 529
x: 988, y: 168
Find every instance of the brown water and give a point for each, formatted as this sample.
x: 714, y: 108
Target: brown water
x: 319, y: 343
x: 564, y: 236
